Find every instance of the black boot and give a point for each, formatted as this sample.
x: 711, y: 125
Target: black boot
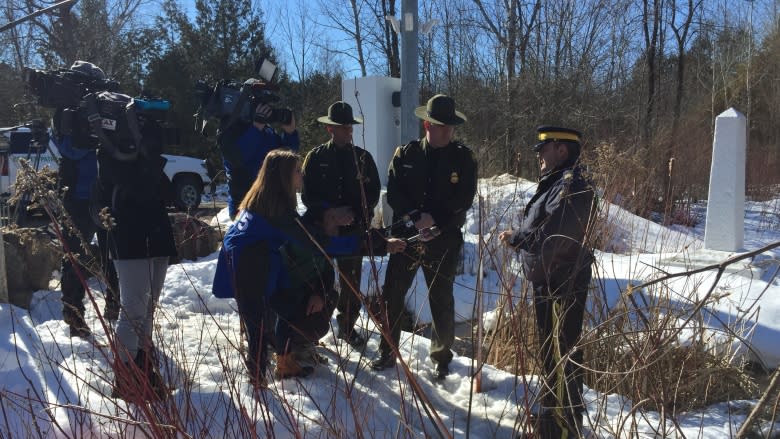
x: 353, y: 338
x: 129, y: 384
x: 76, y: 324
x: 111, y: 312
x: 146, y: 361
x: 384, y: 361
x: 442, y: 370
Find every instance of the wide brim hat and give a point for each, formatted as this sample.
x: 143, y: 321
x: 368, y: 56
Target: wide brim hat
x: 340, y: 113
x: 440, y: 110
x: 546, y: 134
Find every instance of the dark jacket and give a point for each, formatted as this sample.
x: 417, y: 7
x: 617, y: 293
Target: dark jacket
x: 439, y: 181
x: 554, y: 225
x: 134, y: 192
x: 331, y: 179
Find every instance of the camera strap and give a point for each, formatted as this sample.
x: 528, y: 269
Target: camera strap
x: 132, y: 125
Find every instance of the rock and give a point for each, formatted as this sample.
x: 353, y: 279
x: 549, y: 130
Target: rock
x: 194, y: 238
x: 31, y: 255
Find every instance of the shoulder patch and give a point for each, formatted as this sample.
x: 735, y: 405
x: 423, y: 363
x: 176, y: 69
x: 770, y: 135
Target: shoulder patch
x: 566, y: 181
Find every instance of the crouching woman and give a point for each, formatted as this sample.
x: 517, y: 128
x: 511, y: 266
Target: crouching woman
x: 252, y: 268
x: 305, y: 306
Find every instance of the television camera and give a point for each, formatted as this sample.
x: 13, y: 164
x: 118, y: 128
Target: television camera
x: 64, y: 87
x: 231, y: 101
x: 91, y: 111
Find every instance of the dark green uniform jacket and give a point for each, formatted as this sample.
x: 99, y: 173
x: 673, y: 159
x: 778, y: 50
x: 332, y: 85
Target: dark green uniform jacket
x: 332, y: 177
x: 439, y: 181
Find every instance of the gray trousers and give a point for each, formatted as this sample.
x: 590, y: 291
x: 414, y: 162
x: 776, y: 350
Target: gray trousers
x: 140, y: 281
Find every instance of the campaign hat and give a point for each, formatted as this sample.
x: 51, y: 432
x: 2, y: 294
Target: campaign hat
x: 340, y: 113
x: 440, y: 110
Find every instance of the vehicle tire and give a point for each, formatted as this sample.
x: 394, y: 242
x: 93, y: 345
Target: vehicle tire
x: 187, y: 190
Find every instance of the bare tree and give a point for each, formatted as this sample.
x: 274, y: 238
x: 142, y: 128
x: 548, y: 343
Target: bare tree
x: 682, y: 34
x: 510, y: 24
x: 653, y: 33
x: 336, y: 11
x: 390, y: 46
x: 681, y: 28
x: 300, y: 33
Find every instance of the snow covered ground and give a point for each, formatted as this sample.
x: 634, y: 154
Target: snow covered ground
x: 57, y: 386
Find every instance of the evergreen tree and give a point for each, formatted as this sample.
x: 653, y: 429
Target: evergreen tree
x: 224, y: 41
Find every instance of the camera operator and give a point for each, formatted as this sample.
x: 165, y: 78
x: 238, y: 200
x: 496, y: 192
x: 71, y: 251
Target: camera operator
x: 244, y: 147
x: 131, y: 188
x: 78, y: 171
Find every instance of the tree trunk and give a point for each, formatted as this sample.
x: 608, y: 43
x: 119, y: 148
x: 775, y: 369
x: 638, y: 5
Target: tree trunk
x: 358, y: 38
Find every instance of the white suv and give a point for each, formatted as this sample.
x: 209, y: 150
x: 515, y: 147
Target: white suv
x: 187, y: 174
x: 189, y: 177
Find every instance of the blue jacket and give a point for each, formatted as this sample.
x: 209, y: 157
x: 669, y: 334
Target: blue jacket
x: 251, y: 228
x: 248, y: 229
x: 78, y: 168
x: 244, y: 150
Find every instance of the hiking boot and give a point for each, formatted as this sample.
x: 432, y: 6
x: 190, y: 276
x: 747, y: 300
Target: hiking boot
x: 288, y: 367
x: 353, y: 338
x: 80, y: 331
x: 385, y: 361
x: 258, y: 380
x: 135, y: 384
x: 130, y: 384
x: 111, y: 313
x: 442, y: 370
x: 307, y: 355
x: 125, y: 382
x: 78, y: 326
x: 257, y: 373
x: 147, y: 364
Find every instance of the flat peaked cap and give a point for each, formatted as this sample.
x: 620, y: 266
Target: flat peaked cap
x: 339, y: 113
x: 546, y: 134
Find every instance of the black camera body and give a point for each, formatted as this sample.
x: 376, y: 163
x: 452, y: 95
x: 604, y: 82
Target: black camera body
x: 231, y: 100
x: 64, y: 87
x: 115, y: 118
x: 89, y: 109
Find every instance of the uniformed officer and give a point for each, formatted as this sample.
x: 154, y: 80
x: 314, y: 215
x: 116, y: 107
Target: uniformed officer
x: 557, y: 261
x: 431, y: 181
x: 339, y: 174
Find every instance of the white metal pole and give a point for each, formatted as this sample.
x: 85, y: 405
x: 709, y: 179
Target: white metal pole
x: 410, y: 125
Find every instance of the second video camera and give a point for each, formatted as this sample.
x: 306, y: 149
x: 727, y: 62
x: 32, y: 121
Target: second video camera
x: 233, y: 100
